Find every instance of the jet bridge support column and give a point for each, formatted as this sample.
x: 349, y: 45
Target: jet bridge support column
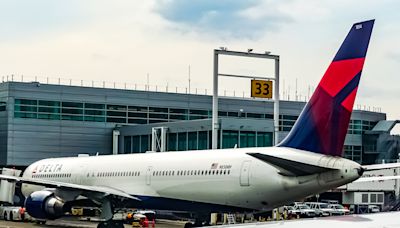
x: 116, y: 133
x: 159, y: 139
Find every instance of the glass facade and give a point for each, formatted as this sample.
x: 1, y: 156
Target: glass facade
x: 353, y: 153
x: 358, y: 127
x: 113, y: 113
x: 201, y: 140
x: 286, y: 122
x: 196, y: 140
x: 136, y: 144
x: 3, y: 106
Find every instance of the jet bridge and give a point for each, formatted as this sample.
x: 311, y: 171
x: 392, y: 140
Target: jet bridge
x: 7, y: 189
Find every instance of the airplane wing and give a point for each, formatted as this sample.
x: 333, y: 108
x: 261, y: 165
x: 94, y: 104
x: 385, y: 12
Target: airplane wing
x: 68, y: 186
x: 378, y: 178
x: 380, y: 166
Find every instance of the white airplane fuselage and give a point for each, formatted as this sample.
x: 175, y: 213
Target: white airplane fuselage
x: 209, y: 180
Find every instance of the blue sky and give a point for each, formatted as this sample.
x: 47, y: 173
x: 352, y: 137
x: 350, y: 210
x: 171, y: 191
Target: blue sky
x: 124, y: 41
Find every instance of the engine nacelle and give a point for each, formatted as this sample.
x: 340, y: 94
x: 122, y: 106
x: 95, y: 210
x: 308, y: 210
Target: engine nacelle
x: 44, y: 205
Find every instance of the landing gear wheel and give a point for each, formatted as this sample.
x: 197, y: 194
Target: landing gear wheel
x: 111, y: 224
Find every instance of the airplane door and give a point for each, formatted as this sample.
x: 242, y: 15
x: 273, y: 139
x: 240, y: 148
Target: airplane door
x: 244, y: 174
x: 148, y: 175
x: 81, y: 175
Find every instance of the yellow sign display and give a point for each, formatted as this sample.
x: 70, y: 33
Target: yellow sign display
x: 261, y: 88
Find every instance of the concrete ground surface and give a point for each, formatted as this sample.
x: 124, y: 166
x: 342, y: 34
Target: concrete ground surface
x: 81, y: 224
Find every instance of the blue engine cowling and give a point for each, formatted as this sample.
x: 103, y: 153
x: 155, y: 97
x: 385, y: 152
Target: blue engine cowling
x: 44, y: 205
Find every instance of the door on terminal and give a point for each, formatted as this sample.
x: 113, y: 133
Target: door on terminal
x: 148, y: 175
x: 245, y: 173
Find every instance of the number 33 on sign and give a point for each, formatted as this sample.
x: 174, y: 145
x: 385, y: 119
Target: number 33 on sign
x: 261, y: 88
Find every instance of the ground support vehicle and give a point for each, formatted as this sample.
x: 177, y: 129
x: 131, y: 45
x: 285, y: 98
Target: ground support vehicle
x: 339, y: 209
x: 14, y: 213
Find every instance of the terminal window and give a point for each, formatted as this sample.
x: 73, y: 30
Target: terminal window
x: 114, y: 113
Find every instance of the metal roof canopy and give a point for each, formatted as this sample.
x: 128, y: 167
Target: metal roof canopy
x: 384, y: 126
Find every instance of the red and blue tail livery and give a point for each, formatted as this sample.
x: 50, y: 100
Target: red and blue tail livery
x: 323, y: 123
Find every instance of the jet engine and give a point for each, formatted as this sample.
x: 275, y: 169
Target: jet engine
x: 44, y: 205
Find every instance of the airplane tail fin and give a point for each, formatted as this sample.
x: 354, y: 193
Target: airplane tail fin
x: 322, y: 125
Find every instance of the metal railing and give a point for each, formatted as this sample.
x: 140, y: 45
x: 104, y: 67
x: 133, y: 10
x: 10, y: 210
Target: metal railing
x: 155, y: 88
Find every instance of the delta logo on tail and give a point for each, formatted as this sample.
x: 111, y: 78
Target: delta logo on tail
x: 323, y: 123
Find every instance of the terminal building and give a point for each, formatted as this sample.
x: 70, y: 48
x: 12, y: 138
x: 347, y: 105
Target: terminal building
x: 50, y: 120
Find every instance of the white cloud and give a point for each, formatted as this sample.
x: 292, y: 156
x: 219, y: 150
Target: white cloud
x: 224, y: 18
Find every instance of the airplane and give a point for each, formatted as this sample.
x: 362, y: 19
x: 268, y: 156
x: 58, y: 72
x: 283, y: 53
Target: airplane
x: 307, y: 162
x: 374, y: 220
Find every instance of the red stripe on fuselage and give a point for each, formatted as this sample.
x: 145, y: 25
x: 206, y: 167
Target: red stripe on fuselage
x: 339, y: 74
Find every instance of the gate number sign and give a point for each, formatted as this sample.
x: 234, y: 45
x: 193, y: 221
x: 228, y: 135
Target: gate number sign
x: 261, y: 88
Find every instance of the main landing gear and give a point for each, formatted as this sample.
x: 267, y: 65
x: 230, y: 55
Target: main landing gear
x: 107, y: 213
